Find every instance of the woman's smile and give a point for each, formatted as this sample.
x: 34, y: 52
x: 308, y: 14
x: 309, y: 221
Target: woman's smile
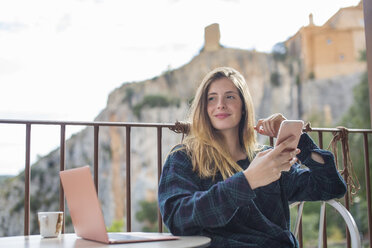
x: 222, y: 115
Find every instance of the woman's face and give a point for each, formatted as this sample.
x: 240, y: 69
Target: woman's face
x: 224, y: 105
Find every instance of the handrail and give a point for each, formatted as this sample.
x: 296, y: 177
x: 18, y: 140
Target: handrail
x: 86, y: 123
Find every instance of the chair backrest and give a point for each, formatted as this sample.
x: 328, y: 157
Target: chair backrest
x: 347, y: 217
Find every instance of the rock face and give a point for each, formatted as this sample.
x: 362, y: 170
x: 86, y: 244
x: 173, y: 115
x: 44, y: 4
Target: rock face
x: 163, y: 99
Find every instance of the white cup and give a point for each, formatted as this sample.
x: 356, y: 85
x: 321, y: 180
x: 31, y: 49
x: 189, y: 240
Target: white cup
x: 50, y: 224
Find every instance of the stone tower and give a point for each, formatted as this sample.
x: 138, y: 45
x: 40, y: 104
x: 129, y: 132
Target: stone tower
x: 212, y: 37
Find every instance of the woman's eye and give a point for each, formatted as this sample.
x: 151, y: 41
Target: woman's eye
x: 210, y: 98
x: 230, y: 97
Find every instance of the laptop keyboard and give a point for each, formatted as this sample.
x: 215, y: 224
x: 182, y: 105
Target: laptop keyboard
x: 119, y: 236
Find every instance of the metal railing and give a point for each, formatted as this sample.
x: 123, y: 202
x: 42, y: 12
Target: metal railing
x: 159, y: 127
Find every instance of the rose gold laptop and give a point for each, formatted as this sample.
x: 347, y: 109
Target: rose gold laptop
x: 86, y: 213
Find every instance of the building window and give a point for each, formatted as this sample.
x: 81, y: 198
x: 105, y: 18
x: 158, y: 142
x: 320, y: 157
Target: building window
x: 329, y: 41
x: 342, y: 57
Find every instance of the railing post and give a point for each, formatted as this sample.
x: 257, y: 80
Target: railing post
x: 160, y: 221
x: 128, y: 187
x: 368, y: 186
x: 27, y: 181
x: 367, y: 9
x: 346, y: 175
x: 320, y: 138
x: 300, y: 239
x: 62, y: 168
x: 95, y: 160
x: 324, y: 212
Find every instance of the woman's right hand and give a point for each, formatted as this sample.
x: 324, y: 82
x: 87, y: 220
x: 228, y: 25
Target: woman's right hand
x: 268, y: 165
x: 270, y: 125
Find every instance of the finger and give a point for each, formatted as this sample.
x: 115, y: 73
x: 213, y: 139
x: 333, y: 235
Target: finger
x: 263, y: 153
x: 279, y: 117
x: 266, y: 128
x: 291, y: 153
x: 288, y: 155
x: 284, y: 157
x: 272, y: 117
x: 293, y: 161
x: 259, y: 123
x: 263, y: 129
x: 294, y: 153
x: 272, y: 128
x: 258, y: 126
x: 298, y: 151
x: 287, y: 166
x: 258, y: 129
x: 283, y: 145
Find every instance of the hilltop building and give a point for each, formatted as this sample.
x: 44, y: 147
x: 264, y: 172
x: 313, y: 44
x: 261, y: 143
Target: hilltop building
x: 212, y: 37
x: 332, y: 49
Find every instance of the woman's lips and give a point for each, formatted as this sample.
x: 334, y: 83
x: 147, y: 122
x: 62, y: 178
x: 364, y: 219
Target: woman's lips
x: 222, y: 116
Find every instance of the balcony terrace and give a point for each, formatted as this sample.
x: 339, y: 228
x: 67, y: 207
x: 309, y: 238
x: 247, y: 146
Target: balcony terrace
x: 340, y: 138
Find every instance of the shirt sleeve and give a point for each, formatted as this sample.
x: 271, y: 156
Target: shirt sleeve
x: 186, y: 209
x: 317, y: 182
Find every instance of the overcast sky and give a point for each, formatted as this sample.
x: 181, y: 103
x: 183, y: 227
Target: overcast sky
x: 59, y: 59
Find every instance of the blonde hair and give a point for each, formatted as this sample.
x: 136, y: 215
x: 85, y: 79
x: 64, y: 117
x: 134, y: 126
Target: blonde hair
x: 204, y: 145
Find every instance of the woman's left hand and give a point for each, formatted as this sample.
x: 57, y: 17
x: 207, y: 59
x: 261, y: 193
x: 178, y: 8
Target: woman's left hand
x: 270, y: 126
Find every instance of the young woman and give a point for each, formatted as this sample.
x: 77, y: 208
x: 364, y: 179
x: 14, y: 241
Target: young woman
x: 220, y: 183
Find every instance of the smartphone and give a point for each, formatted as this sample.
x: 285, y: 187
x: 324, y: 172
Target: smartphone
x: 290, y: 128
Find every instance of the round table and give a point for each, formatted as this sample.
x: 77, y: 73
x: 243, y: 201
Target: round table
x: 71, y: 240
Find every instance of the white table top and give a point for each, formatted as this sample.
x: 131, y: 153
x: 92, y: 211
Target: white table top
x: 71, y: 240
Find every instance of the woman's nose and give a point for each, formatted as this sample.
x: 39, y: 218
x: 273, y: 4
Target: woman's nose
x: 221, y: 104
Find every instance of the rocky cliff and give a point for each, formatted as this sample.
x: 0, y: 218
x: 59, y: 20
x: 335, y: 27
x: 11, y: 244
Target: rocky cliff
x: 166, y: 99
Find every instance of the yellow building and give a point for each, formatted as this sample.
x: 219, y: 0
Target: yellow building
x: 331, y: 49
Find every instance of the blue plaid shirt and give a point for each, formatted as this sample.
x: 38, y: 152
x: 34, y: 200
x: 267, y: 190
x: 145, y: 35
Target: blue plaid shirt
x: 231, y: 213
